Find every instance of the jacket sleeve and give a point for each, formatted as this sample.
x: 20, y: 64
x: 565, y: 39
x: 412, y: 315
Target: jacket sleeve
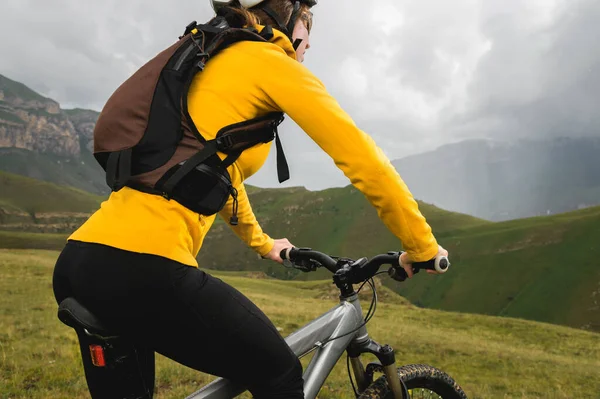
x: 248, y: 228
x: 296, y: 91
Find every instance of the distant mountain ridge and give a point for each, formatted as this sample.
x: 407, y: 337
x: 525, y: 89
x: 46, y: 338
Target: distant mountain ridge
x: 30, y: 121
x: 490, y: 180
x: 38, y: 139
x: 502, y: 181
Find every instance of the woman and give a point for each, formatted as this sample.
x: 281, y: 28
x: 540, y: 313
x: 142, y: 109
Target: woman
x: 133, y: 263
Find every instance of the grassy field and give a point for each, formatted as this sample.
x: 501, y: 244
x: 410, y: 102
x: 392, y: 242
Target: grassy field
x: 23, y: 240
x: 491, y: 357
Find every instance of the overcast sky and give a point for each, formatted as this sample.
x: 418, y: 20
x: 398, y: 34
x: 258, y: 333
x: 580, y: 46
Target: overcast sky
x: 414, y: 74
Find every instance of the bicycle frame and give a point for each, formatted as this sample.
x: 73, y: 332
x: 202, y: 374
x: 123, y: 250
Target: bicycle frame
x: 342, y: 319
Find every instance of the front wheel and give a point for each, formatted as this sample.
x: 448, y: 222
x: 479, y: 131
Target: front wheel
x: 422, y: 381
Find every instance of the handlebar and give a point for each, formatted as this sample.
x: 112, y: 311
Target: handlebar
x: 353, y: 272
x: 295, y: 255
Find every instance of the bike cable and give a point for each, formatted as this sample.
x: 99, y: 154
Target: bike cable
x: 368, y: 317
x: 350, y: 375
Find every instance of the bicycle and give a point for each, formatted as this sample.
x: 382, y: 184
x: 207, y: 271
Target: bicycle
x: 341, y: 329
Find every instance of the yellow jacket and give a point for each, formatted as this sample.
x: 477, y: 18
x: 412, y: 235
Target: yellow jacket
x: 247, y: 80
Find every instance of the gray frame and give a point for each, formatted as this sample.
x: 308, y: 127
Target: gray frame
x: 342, y: 319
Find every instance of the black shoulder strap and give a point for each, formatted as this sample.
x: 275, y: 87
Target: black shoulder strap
x: 118, y: 169
x: 283, y: 170
x: 222, y: 39
x: 267, y: 33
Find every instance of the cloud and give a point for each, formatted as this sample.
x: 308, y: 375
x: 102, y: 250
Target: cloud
x: 540, y: 77
x: 413, y: 74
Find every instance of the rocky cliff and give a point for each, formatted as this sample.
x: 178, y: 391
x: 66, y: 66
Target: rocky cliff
x: 32, y: 122
x: 40, y: 140
x: 84, y: 121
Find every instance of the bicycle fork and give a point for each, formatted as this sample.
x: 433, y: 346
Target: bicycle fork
x: 386, y: 365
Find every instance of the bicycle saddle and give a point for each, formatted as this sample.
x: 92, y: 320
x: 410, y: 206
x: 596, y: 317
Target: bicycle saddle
x: 75, y: 315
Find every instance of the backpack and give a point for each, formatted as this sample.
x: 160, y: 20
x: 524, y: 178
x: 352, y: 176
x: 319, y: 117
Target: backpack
x: 145, y: 138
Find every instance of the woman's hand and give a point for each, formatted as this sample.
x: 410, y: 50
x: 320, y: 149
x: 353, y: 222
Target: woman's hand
x: 280, y: 244
x: 406, y: 262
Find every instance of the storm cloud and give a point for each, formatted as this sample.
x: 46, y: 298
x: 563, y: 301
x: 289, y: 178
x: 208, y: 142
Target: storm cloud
x: 413, y: 74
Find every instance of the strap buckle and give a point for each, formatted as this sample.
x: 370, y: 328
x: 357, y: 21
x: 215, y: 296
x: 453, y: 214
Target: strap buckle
x: 225, y: 143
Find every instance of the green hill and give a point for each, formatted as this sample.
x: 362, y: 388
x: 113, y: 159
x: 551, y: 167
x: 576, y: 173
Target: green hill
x: 543, y: 268
x: 83, y: 172
x: 35, y: 196
x: 32, y: 205
x: 338, y: 220
x: 490, y: 357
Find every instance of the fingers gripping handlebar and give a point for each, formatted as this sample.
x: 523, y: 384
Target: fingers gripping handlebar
x: 363, y: 269
x: 439, y: 264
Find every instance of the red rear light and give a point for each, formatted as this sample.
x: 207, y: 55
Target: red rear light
x: 97, y: 353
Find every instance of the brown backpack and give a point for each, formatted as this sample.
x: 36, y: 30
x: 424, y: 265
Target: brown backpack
x: 145, y: 138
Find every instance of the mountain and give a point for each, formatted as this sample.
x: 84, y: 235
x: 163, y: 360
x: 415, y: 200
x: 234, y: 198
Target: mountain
x: 488, y: 179
x: 38, y: 139
x: 82, y: 172
x: 84, y: 121
x: 32, y: 122
x: 502, y: 181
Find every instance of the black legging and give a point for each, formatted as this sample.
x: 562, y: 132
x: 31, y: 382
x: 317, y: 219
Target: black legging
x: 180, y: 312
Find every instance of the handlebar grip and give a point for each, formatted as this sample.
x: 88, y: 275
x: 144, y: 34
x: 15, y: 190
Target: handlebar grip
x: 439, y: 264
x: 285, y: 253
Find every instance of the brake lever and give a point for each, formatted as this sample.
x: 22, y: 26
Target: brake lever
x: 305, y: 266
x: 397, y: 273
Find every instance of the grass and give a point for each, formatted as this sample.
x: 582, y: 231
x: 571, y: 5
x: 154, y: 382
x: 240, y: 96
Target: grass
x: 24, y: 240
x: 491, y: 357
